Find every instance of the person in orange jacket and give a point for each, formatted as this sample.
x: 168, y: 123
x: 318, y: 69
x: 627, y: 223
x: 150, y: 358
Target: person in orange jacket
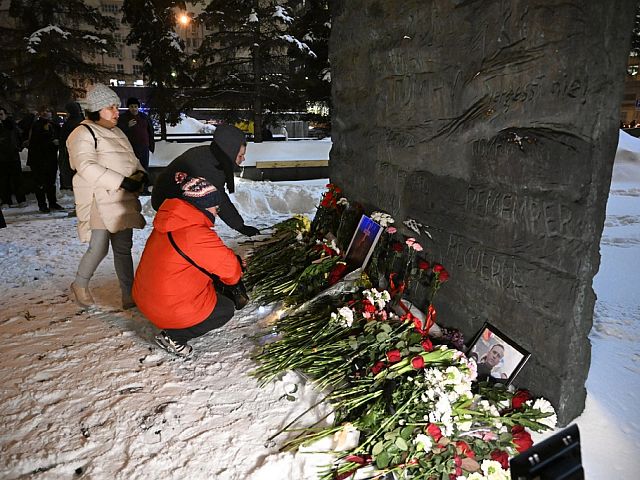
x: 174, y: 282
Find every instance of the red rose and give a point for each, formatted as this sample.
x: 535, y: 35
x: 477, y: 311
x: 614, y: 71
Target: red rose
x: 368, y: 306
x: 377, y: 368
x: 417, y: 323
x: 423, y: 265
x: 434, y: 431
x: 337, y: 272
x: 417, y: 362
x: 502, y: 457
x: 442, y: 273
x: 427, y: 345
x: 397, y: 247
x: 519, y: 398
x: 521, y: 439
x: 464, y: 449
x: 394, y: 356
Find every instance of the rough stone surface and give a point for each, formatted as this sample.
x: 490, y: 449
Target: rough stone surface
x: 495, y: 123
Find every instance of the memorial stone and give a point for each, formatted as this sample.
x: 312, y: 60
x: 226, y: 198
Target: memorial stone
x: 495, y: 124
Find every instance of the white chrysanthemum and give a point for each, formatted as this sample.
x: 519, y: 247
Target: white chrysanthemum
x: 472, y: 476
x: 384, y: 219
x: 346, y: 316
x: 454, y: 376
x: 544, y: 406
x: 493, y: 470
x: 343, y: 201
x: 423, y: 442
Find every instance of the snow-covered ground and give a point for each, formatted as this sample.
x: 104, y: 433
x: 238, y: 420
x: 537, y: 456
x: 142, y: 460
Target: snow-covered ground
x: 86, y: 394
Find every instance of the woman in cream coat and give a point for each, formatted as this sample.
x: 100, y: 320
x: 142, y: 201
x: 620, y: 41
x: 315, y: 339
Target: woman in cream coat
x: 106, y: 185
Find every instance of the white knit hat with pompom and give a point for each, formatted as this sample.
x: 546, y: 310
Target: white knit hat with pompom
x: 99, y: 97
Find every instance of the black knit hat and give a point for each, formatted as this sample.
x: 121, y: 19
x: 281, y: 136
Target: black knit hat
x: 197, y: 191
x: 133, y: 101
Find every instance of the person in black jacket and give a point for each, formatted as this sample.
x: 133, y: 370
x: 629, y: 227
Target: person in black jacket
x: 73, y: 120
x: 138, y: 128
x: 44, y: 139
x: 10, y: 167
x: 216, y: 163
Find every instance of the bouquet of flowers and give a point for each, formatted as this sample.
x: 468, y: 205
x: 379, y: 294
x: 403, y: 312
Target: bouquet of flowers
x: 329, y: 211
x: 287, y: 244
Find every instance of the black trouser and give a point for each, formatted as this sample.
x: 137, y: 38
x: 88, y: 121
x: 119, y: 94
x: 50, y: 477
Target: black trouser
x: 11, y: 182
x: 142, y: 152
x: 45, y: 180
x: 221, y: 314
x: 66, y: 173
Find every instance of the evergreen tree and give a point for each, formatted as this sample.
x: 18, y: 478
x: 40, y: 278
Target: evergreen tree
x: 313, y: 74
x: 45, y: 44
x: 635, y: 35
x: 246, y: 61
x: 161, y: 52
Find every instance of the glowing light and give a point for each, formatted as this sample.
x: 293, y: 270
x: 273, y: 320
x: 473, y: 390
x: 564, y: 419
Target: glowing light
x: 184, y: 19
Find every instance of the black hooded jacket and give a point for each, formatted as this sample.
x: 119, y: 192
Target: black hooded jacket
x: 216, y: 163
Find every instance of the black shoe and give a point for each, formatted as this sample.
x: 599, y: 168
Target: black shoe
x: 45, y: 210
x: 57, y: 206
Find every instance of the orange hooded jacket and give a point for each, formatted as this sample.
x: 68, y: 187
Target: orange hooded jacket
x: 167, y: 289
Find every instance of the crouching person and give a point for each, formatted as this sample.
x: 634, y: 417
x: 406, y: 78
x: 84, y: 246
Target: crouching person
x: 173, y: 285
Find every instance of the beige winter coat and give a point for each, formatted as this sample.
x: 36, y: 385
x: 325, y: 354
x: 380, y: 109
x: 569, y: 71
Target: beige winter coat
x: 99, y: 173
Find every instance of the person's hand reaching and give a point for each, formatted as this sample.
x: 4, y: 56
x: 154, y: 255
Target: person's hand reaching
x: 249, y: 231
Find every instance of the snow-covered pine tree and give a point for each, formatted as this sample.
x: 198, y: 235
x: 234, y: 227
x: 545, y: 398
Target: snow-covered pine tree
x: 161, y: 51
x: 46, y: 44
x: 635, y: 35
x: 246, y: 61
x: 312, y: 75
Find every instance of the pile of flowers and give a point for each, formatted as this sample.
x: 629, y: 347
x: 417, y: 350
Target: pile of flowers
x: 403, y: 392
x: 413, y: 401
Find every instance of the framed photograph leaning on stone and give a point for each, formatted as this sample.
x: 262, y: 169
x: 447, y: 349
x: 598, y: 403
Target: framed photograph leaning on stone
x: 362, y: 243
x: 499, y: 358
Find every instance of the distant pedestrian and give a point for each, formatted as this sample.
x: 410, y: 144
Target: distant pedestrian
x: 44, y: 138
x: 216, y: 163
x: 10, y: 166
x: 106, y: 185
x: 74, y: 118
x: 139, y: 130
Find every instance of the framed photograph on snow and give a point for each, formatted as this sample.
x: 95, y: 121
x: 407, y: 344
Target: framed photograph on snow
x: 362, y: 243
x: 499, y: 358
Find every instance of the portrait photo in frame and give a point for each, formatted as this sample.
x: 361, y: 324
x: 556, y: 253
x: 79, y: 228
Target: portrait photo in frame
x: 499, y: 358
x: 362, y: 243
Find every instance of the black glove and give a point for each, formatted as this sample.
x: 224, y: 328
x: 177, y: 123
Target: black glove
x: 140, y: 175
x: 249, y: 231
x: 237, y: 293
x: 131, y: 184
